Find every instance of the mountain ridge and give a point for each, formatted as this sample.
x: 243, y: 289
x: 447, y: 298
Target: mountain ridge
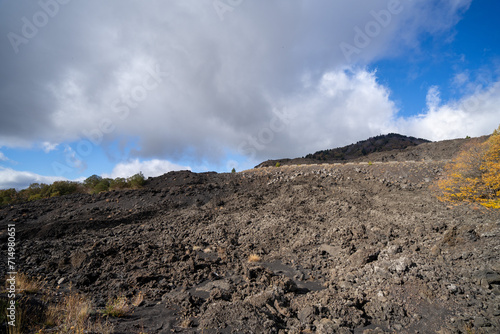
x: 383, y: 148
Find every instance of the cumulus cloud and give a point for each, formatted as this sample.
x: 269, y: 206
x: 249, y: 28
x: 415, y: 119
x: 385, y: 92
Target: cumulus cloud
x: 342, y: 107
x: 475, y: 114
x: 352, y: 105
x: 3, y: 157
x: 154, y: 167
x: 185, y: 82
x: 10, y: 178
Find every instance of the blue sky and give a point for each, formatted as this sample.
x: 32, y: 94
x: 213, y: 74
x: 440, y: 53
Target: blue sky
x: 113, y: 88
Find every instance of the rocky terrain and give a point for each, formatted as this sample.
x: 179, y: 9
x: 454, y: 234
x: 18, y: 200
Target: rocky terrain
x: 334, y: 248
x: 392, y: 147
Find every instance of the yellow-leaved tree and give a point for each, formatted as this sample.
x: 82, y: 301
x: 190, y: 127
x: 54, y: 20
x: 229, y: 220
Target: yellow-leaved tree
x: 474, y: 175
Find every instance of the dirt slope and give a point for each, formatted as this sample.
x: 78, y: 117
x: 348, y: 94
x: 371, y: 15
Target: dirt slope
x: 353, y: 248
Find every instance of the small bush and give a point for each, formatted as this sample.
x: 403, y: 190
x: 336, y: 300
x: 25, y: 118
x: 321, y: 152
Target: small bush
x: 278, y: 164
x: 92, y: 181
x: 73, y: 314
x: 8, y: 196
x: 117, y: 307
x: 35, y: 197
x: 118, y: 183
x: 254, y: 258
x: 64, y: 187
x: 136, y: 181
x: 36, y: 311
x: 233, y: 170
x: 102, y: 186
x: 474, y: 175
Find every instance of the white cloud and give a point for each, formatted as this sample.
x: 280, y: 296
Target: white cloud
x: 345, y: 106
x: 149, y: 168
x: 3, y: 157
x: 460, y: 79
x: 10, y: 178
x: 226, y: 78
x: 474, y: 115
x: 433, y: 99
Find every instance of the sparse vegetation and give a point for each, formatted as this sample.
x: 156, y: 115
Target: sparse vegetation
x: 74, y: 314
x: 93, y: 185
x: 26, y: 285
x: 254, y: 258
x: 36, y: 311
x: 474, y: 175
x: 117, y: 307
x: 136, y: 181
x: 278, y: 164
x: 138, y: 299
x: 96, y: 184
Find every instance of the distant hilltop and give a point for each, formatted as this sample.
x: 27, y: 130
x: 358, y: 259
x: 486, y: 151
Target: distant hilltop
x: 382, y: 143
x: 389, y: 147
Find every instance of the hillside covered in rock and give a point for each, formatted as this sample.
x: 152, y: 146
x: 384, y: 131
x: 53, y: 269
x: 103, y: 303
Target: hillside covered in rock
x: 383, y: 148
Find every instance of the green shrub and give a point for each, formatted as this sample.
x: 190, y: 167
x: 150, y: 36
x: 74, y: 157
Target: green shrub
x: 103, y: 185
x: 35, y: 197
x: 136, y: 181
x: 278, y: 164
x: 92, y: 181
x: 64, y: 188
x: 8, y: 196
x: 93, y: 184
x: 233, y: 170
x: 118, y: 183
x: 117, y: 307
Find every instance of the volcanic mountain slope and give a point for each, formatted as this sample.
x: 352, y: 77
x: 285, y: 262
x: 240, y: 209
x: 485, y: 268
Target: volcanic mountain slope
x: 336, y: 248
x: 391, y: 147
x: 382, y: 143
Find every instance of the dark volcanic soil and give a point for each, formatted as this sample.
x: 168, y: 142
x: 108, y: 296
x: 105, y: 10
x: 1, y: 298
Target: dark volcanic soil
x: 353, y: 248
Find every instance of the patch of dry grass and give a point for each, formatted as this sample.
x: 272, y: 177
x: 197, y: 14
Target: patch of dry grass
x: 73, y: 314
x: 117, y: 307
x: 27, y: 285
x: 254, y: 258
x: 138, y: 299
